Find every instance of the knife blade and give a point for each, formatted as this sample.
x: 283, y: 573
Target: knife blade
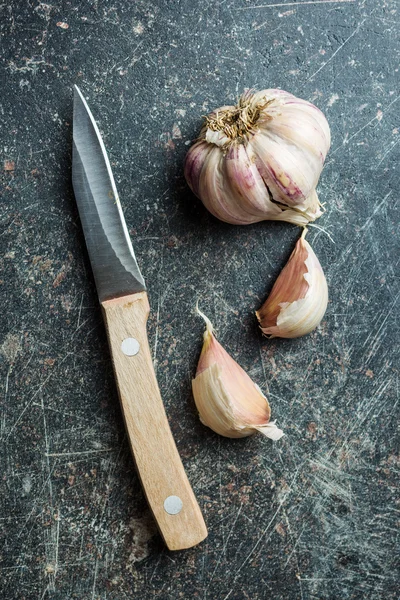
x: 123, y: 298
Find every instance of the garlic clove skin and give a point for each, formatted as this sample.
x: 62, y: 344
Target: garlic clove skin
x: 270, y: 152
x: 299, y: 298
x: 287, y: 171
x: 213, y: 188
x: 250, y: 200
x: 228, y: 401
x: 312, y: 206
x: 271, y: 431
x: 194, y: 164
x: 305, y: 120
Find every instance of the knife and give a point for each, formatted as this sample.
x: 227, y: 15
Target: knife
x: 123, y: 298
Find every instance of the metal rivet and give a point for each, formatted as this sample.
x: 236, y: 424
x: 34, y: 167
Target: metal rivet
x: 130, y: 346
x: 173, y: 505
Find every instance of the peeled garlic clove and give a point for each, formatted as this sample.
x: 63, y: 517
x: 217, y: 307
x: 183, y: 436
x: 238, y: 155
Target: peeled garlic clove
x: 266, y: 157
x: 298, y: 300
x: 228, y: 401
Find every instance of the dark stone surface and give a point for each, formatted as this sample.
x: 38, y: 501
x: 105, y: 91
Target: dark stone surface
x: 312, y: 516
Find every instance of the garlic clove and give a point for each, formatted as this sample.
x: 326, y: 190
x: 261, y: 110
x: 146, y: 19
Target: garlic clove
x: 307, y: 119
x: 194, y: 164
x: 286, y: 169
x: 316, y: 122
x: 299, y: 298
x: 228, y: 401
x: 247, y: 189
x: 213, y: 188
x: 296, y: 130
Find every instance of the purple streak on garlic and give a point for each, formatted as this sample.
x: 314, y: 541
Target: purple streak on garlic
x: 194, y: 164
x: 260, y: 160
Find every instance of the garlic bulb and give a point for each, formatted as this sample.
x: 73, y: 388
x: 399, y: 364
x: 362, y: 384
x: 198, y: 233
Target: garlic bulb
x: 228, y: 401
x: 299, y: 297
x: 260, y: 160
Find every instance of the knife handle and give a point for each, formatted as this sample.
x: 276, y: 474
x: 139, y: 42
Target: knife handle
x: 163, y: 477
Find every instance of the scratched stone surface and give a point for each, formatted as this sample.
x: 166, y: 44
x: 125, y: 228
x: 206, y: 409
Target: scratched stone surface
x: 313, y: 516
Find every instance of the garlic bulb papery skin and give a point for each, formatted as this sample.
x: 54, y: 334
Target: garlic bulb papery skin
x: 298, y: 300
x: 260, y: 160
x: 228, y: 401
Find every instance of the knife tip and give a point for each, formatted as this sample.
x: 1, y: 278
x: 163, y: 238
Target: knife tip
x: 77, y: 91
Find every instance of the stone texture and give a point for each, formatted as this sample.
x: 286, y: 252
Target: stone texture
x: 311, y: 516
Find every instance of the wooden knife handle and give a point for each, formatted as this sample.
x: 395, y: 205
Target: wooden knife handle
x: 164, y: 480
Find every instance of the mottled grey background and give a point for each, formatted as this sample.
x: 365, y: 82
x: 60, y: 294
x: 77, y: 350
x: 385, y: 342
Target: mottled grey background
x: 310, y: 517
